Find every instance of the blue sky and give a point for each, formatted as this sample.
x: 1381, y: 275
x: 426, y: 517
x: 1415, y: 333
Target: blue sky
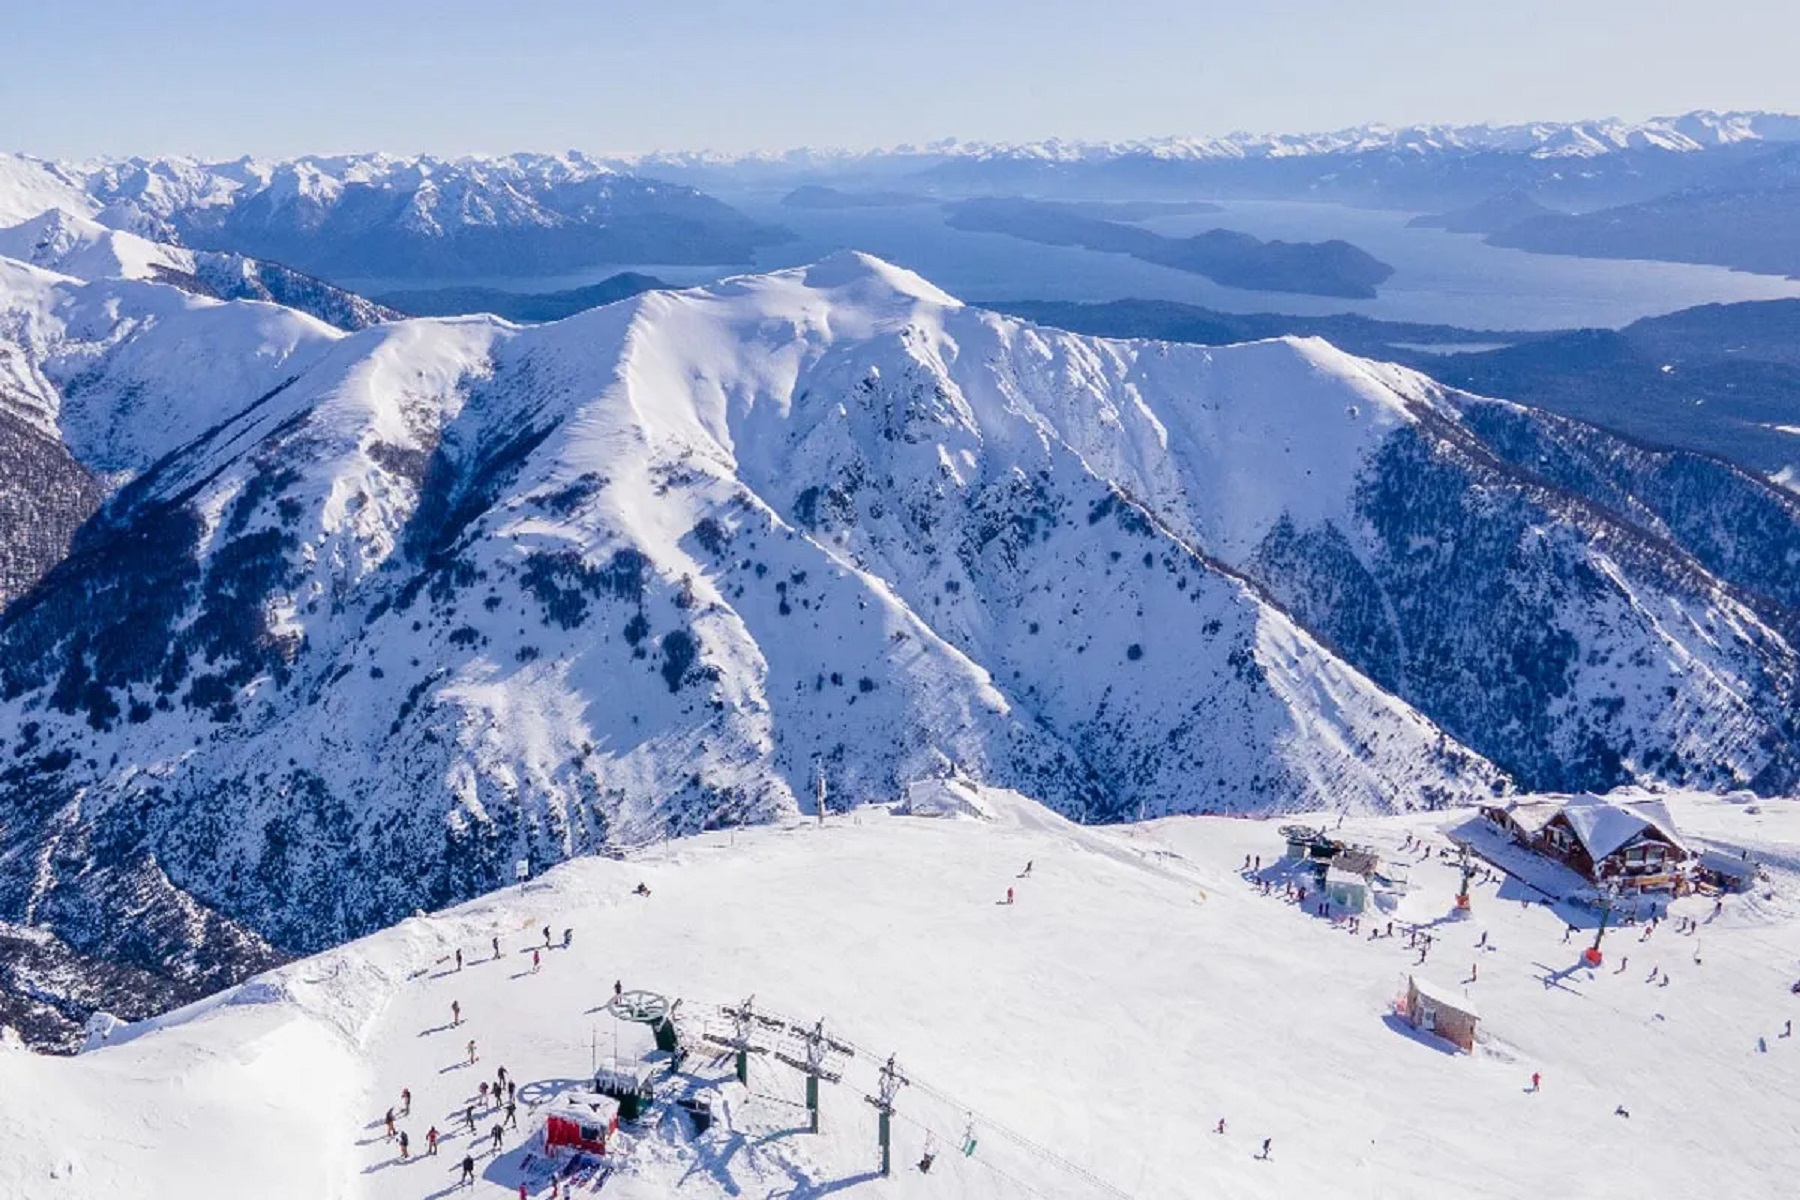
x: 220, y: 79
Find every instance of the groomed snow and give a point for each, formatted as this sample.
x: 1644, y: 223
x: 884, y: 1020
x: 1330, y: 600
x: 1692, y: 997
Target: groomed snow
x: 1139, y: 990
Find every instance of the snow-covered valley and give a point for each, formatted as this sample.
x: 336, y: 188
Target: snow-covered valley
x: 1091, y: 1035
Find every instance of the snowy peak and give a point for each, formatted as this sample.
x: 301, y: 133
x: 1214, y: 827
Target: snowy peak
x: 62, y: 241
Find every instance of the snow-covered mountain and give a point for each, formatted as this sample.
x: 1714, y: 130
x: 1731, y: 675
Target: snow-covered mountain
x: 385, y: 215
x: 378, y: 614
x: 71, y: 244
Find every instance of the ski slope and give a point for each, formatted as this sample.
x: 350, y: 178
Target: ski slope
x: 1092, y: 1033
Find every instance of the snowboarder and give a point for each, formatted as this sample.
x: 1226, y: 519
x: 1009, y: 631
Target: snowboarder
x: 390, y: 1124
x: 431, y: 1141
x: 1265, y: 1150
x: 406, y: 1102
x: 568, y: 937
x: 459, y: 958
x: 404, y: 1143
x: 534, y: 962
x: 471, y: 1051
x: 468, y: 1172
x: 455, y: 1013
x: 498, y: 1137
x: 642, y: 889
x: 925, y: 1162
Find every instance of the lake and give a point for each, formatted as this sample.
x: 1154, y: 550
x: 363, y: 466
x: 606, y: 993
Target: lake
x: 1439, y: 277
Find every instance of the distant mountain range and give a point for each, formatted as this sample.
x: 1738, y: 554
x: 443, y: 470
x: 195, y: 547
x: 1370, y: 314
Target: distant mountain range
x: 379, y: 215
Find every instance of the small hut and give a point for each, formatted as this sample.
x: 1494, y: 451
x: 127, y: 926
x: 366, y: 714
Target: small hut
x: 1347, y: 891
x: 1440, y: 1012
x: 580, y: 1122
x: 1724, y: 871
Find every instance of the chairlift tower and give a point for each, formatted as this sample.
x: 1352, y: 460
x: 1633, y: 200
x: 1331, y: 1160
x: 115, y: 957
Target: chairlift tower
x: 1467, y: 865
x: 743, y: 1018
x: 889, y: 1088
x: 814, y: 1049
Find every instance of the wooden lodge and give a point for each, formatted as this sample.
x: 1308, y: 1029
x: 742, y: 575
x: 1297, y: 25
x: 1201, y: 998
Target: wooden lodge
x: 1440, y: 1012
x: 1627, y: 844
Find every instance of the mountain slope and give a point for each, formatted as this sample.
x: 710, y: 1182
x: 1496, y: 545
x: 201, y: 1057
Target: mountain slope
x: 451, y: 593
x: 61, y: 241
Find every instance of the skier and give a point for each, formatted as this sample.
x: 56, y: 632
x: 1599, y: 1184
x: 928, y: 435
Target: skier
x: 468, y: 1172
x: 469, y: 1117
x: 1265, y: 1149
x: 459, y: 958
x: 512, y: 1114
x: 1221, y: 1127
x: 484, y: 1093
x: 618, y: 990
x: 390, y: 1124
x: 406, y: 1102
x: 498, y: 1138
x: 1246, y: 867
x: 568, y: 937
x: 500, y: 1073
x: 1482, y: 944
x: 1537, y: 1081
x: 496, y: 943
x: 523, y: 1194
x: 431, y: 1141
x: 455, y: 1013
x: 1009, y: 898
x: 512, y: 1090
x: 404, y: 1143
x: 1787, y: 1030
x: 546, y: 937
x: 1762, y: 1046
x: 534, y: 962
x: 1258, y: 862
x: 1027, y: 871
x: 471, y: 1051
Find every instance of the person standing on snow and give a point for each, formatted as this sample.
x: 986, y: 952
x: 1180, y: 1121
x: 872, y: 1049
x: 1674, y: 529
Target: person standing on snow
x: 546, y: 937
x: 472, y: 1058
x: 455, y: 1013
x: 498, y: 1137
x: 468, y: 1172
x: 1537, y: 1081
x: 406, y: 1102
x: 534, y: 962
x: 1009, y: 896
x: 431, y: 1141
x: 512, y: 1114
x: 568, y: 937
x: 496, y: 947
x: 404, y: 1143
x: 459, y: 958
x: 390, y: 1124
x: 1221, y: 1127
x: 1267, y: 1142
x: 469, y: 1117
